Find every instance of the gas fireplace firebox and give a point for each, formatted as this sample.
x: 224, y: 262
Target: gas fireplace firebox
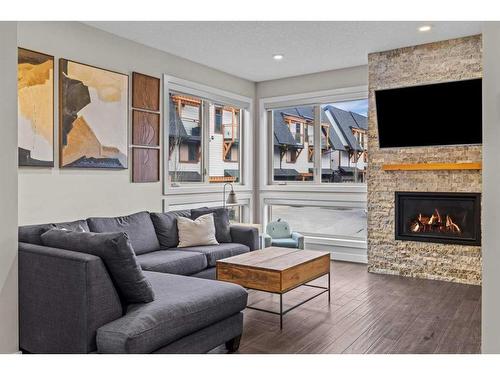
x: 452, y: 218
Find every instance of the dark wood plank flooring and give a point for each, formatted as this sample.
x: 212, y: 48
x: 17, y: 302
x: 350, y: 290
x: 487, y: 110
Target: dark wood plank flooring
x: 369, y: 313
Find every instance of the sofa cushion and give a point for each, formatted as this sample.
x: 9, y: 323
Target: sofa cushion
x: 221, y: 220
x: 166, y: 229
x: 117, y: 254
x: 217, y: 252
x: 138, y: 227
x: 208, y: 273
x: 173, y: 261
x: 183, y: 305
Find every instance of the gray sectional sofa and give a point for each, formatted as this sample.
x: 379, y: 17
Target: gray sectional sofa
x: 70, y: 304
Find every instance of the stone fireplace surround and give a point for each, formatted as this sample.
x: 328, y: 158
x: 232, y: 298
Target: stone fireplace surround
x: 449, y: 60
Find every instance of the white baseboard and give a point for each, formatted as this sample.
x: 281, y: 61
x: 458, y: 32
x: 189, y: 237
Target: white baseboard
x: 346, y: 257
x: 344, y: 250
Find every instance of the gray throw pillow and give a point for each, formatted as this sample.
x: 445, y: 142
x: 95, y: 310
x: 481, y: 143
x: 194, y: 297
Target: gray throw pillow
x: 166, y: 229
x: 221, y: 219
x: 138, y: 226
x: 117, y: 254
x: 33, y: 233
x: 76, y: 226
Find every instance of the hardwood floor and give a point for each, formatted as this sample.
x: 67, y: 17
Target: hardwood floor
x: 369, y: 313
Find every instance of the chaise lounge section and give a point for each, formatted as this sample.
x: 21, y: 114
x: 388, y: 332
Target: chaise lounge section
x: 69, y: 302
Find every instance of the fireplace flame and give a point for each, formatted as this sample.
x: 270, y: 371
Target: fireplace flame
x: 434, y: 223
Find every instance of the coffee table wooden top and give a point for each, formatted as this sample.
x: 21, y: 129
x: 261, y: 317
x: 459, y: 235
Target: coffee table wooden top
x: 274, y: 269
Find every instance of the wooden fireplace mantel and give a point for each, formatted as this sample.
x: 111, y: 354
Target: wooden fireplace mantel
x: 432, y: 166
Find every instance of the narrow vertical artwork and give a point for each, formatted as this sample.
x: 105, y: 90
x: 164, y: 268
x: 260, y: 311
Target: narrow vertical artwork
x: 146, y: 165
x: 93, y: 110
x: 145, y: 128
x: 146, y: 92
x: 35, y: 98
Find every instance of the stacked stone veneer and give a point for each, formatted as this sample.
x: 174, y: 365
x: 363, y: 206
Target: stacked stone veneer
x: 449, y: 60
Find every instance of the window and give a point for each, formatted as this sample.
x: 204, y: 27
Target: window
x: 329, y: 222
x: 189, y: 153
x: 310, y: 154
x: 347, y: 149
x: 185, y: 138
x: 291, y: 156
x: 204, y: 140
x: 343, y: 142
x: 235, y: 214
x: 224, y: 145
x: 218, y: 120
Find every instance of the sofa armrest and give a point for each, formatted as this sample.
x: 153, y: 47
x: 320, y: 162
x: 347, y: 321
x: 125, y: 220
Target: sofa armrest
x: 64, y: 297
x: 299, y: 238
x: 244, y: 235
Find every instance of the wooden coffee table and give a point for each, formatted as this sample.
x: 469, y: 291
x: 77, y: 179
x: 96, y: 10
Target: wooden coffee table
x: 277, y: 270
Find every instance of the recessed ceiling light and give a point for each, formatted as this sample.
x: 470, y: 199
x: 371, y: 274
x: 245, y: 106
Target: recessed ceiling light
x: 425, y: 28
x: 278, y: 56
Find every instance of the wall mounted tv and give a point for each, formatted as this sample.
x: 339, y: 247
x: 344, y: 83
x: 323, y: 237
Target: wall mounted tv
x: 447, y: 113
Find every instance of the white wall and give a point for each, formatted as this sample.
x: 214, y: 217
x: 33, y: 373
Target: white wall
x: 491, y: 183
x: 332, y: 79
x: 57, y: 195
x: 8, y: 188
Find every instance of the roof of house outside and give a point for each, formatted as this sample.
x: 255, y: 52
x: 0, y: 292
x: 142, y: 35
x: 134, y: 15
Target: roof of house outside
x: 304, y: 112
x: 231, y: 173
x: 176, y: 127
x: 346, y: 123
x: 361, y: 120
x: 334, y: 138
x: 282, y: 134
x: 186, y: 176
x: 285, y: 172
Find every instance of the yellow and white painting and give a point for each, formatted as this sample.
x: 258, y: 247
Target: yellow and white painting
x: 35, y: 119
x: 94, y: 116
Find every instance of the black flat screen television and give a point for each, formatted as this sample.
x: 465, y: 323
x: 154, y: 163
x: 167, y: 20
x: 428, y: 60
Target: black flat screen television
x: 447, y: 113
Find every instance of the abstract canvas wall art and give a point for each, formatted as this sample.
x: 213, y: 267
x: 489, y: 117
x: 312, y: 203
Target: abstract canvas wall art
x: 35, y: 108
x: 93, y: 111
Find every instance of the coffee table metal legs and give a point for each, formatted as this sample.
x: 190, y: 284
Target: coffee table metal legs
x: 281, y: 313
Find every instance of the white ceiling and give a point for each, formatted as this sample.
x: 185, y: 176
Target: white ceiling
x: 245, y: 49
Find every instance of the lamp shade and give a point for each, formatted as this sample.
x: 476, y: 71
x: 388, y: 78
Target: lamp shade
x: 231, y: 198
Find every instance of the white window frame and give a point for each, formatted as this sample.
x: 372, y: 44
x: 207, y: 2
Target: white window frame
x: 245, y: 202
x: 266, y: 143
x: 317, y: 194
x: 246, y: 146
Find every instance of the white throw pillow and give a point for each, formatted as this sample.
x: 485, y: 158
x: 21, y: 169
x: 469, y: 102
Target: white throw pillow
x: 197, y: 232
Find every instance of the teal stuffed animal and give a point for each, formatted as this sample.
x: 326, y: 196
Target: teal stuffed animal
x: 279, y: 233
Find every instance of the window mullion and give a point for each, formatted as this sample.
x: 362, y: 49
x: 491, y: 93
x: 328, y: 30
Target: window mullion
x: 205, y: 126
x: 317, y: 144
x: 270, y: 150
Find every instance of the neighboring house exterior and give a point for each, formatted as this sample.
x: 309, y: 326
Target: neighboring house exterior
x: 343, y: 144
x: 185, y: 141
